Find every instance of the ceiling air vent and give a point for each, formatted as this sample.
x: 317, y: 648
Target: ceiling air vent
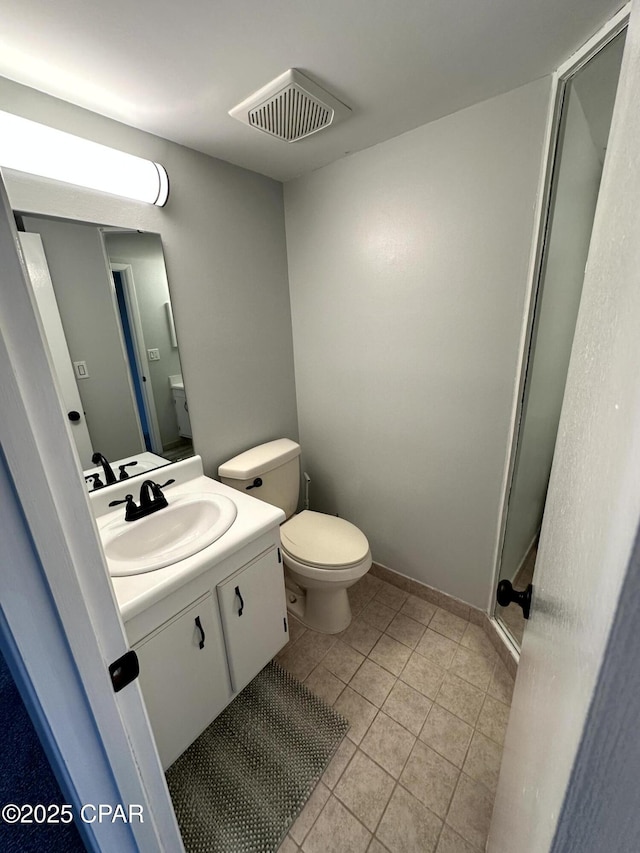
x: 290, y: 108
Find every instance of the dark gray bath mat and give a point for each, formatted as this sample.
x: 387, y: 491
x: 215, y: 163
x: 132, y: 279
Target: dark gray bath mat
x: 241, y: 784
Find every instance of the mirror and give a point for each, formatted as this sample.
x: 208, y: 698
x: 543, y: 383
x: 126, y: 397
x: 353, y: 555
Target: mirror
x: 103, y: 297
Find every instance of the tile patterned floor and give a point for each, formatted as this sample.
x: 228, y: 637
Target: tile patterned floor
x: 428, y: 701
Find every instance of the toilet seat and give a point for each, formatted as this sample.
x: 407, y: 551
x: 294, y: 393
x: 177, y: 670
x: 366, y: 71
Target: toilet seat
x: 323, y: 542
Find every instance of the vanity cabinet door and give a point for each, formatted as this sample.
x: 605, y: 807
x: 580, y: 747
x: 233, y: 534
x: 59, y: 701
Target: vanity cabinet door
x: 254, y: 616
x: 183, y: 677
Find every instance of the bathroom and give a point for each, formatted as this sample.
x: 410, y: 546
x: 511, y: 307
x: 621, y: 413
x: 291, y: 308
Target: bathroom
x: 384, y: 381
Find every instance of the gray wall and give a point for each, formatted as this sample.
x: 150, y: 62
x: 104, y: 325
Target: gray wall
x: 223, y: 236
x: 77, y: 263
x: 408, y: 270
x: 408, y: 265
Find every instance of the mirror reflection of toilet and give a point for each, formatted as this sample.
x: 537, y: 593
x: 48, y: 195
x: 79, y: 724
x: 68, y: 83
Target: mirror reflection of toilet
x: 323, y: 555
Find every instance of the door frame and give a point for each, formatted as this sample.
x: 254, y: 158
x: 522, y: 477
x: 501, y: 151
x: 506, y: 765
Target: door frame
x: 46, y: 300
x: 142, y: 361
x: 67, y: 568
x: 559, y: 81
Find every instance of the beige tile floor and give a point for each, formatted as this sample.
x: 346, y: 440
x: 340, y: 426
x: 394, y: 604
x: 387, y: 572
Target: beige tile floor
x: 428, y: 701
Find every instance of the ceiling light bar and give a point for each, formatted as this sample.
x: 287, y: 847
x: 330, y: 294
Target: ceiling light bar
x: 28, y: 146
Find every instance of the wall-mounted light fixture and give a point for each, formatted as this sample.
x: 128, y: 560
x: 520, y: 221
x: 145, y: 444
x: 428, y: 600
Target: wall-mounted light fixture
x: 28, y: 146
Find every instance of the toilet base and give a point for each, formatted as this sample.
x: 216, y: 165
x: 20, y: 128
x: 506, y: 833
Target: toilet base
x: 327, y: 612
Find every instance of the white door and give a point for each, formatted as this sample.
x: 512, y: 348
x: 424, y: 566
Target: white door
x: 36, y: 263
x: 592, y: 510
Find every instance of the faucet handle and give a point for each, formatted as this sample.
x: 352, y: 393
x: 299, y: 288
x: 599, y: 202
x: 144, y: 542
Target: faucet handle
x: 128, y: 500
x: 131, y: 509
x: 156, y: 490
x: 123, y: 473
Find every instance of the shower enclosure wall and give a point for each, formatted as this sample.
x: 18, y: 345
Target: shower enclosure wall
x: 587, y: 107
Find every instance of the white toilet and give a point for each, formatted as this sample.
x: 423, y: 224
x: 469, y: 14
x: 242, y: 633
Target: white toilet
x: 323, y: 555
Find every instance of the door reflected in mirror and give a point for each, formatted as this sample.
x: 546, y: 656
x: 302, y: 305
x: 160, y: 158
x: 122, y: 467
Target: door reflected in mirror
x: 103, y: 297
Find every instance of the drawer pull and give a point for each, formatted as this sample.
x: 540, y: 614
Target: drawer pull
x: 241, y: 601
x: 201, y: 629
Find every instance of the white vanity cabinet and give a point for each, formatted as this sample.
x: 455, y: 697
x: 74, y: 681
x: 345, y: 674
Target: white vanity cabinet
x: 202, y: 643
x: 183, y: 676
x: 254, y: 616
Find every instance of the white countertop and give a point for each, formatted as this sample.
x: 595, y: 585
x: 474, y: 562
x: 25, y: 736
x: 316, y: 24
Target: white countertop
x: 135, y: 593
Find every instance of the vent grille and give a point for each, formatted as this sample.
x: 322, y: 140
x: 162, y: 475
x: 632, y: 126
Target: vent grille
x: 291, y: 115
x: 290, y: 107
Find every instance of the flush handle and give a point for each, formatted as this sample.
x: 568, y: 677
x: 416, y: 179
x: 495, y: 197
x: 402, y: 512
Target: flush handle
x: 201, y: 629
x: 506, y: 594
x: 256, y: 484
x: 241, y: 608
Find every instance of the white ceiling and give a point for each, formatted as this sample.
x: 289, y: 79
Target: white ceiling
x: 176, y: 68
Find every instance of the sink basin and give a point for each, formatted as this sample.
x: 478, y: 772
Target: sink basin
x: 189, y: 524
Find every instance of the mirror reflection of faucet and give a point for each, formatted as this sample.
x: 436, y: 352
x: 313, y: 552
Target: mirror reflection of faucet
x: 123, y: 469
x: 99, y: 459
x: 110, y: 477
x: 94, y: 481
x: 123, y: 474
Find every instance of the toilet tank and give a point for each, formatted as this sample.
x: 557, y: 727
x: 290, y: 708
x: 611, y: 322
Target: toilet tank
x: 277, y: 464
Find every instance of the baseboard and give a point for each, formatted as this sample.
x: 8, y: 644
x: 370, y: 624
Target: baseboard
x: 456, y: 606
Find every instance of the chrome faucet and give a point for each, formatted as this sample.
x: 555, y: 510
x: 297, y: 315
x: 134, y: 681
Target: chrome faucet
x: 99, y: 459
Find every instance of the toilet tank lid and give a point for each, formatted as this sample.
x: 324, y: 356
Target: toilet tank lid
x: 259, y: 459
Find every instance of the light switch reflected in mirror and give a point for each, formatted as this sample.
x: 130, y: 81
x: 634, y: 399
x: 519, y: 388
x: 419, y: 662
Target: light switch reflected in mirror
x: 104, y: 301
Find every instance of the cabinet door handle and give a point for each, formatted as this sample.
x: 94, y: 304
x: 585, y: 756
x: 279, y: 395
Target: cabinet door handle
x: 200, y: 628
x: 241, y: 601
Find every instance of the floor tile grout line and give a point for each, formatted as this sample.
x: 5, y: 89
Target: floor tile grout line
x: 416, y: 738
x: 399, y: 677
x: 373, y: 832
x: 445, y: 667
x: 434, y: 701
x: 397, y: 782
x: 466, y: 775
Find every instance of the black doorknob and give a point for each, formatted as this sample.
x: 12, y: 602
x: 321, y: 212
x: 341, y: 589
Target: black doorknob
x: 73, y: 416
x: 506, y: 594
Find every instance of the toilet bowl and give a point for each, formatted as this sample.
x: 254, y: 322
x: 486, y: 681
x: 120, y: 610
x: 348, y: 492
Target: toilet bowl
x: 323, y: 555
